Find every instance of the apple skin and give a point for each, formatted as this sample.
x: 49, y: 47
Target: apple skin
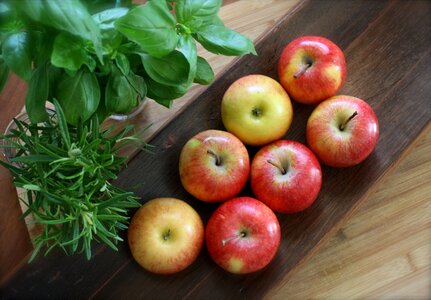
x: 165, y: 235
x: 286, y: 176
x: 242, y: 235
x: 214, y: 166
x: 322, y: 79
x: 347, y: 147
x: 256, y: 109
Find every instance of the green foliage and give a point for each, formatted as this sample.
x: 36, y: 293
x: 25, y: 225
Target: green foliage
x: 67, y: 172
x: 82, y: 44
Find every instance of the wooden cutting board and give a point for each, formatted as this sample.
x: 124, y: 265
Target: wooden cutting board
x: 387, y: 64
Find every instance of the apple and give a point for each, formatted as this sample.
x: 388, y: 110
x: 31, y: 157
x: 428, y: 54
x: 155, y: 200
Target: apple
x: 242, y: 235
x: 311, y: 69
x: 256, y: 109
x: 286, y: 176
x: 165, y: 235
x: 214, y: 166
x: 342, y: 131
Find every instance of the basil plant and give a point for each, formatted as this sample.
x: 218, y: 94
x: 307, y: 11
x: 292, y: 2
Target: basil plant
x: 104, y: 56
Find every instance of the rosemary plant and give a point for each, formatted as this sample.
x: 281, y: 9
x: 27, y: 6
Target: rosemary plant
x: 66, y: 172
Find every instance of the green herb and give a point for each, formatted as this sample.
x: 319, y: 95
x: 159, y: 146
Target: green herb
x: 67, y: 172
x: 80, y: 46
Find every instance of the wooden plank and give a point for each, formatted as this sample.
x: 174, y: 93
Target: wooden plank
x: 350, y: 24
x: 384, y: 250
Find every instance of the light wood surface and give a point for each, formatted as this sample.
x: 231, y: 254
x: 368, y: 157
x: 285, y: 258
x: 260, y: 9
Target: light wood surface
x: 382, y: 252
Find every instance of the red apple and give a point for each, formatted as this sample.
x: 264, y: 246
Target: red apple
x: 311, y: 69
x: 342, y: 131
x: 214, y: 166
x: 286, y: 176
x: 165, y: 235
x: 256, y: 109
x: 242, y: 235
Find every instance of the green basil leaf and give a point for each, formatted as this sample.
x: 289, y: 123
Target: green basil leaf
x: 37, y: 94
x: 204, y: 72
x: 70, y: 16
x: 54, y: 76
x: 163, y: 93
x: 172, y: 69
x: 43, y: 43
x: 165, y: 103
x: 69, y: 53
x: 16, y: 54
x: 79, y: 96
x: 187, y: 46
x: 110, y: 36
x: 138, y: 84
x: 120, y: 96
x: 193, y: 13
x: 151, y: 26
x: 4, y: 74
x: 122, y: 63
x: 222, y: 40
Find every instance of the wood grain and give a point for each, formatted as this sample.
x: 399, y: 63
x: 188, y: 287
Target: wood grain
x: 384, y: 250
x: 368, y: 33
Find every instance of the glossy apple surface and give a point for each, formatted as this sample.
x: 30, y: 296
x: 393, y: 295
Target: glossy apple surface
x: 342, y: 131
x: 214, y: 166
x: 286, y: 176
x: 256, y: 109
x: 165, y: 235
x: 312, y: 69
x: 242, y: 235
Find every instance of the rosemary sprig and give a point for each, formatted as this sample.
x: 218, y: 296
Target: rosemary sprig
x: 66, y: 172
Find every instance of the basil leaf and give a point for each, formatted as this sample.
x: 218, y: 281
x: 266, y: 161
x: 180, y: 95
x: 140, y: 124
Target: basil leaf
x: 37, y: 94
x: 70, y: 16
x: 163, y: 93
x: 69, y: 53
x: 187, y: 46
x: 4, y: 74
x: 204, y: 72
x: 16, y: 54
x: 79, y: 96
x: 222, y: 40
x: 110, y: 36
x: 138, y: 84
x: 193, y: 13
x: 43, y: 45
x: 172, y: 69
x: 122, y: 63
x: 120, y: 96
x: 151, y: 26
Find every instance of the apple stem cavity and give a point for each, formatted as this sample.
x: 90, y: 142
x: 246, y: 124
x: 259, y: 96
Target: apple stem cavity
x: 343, y: 125
x: 302, y: 70
x: 166, y: 235
x: 217, y: 158
x: 282, y: 169
x: 242, y: 234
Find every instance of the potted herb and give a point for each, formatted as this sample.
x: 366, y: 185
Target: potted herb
x: 104, y: 56
x: 91, y: 59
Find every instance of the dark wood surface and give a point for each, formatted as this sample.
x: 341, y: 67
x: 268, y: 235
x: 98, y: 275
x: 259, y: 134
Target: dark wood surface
x: 387, y: 47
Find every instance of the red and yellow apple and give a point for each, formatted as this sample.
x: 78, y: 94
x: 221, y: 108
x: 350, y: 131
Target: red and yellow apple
x: 342, y: 131
x: 256, y: 109
x: 242, y: 235
x: 214, y: 166
x: 311, y: 69
x: 165, y: 235
x: 286, y: 176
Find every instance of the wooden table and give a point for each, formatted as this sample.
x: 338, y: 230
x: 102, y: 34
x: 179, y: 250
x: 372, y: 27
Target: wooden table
x: 382, y: 251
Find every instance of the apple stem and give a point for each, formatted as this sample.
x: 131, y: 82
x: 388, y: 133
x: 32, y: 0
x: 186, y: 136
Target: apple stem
x: 277, y: 165
x: 343, y: 125
x: 216, y: 157
x: 166, y: 235
x: 302, y: 70
x: 241, y: 235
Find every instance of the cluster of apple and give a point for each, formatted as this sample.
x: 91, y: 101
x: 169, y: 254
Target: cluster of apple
x: 243, y: 233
